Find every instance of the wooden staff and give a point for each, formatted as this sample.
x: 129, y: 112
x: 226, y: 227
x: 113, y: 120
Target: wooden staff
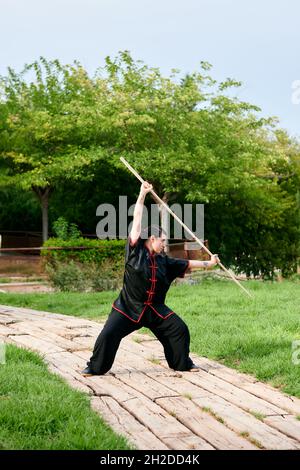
x: 184, y: 226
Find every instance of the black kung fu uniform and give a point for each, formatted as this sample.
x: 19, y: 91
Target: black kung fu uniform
x: 147, y: 278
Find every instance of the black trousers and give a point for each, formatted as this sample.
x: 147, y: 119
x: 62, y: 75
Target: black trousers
x: 172, y: 332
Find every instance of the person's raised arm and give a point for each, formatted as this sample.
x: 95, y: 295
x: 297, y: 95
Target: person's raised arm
x: 138, y: 212
x: 195, y: 264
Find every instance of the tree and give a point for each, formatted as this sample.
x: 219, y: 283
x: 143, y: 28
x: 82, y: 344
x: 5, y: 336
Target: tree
x: 190, y: 137
x: 47, y: 128
x: 195, y: 141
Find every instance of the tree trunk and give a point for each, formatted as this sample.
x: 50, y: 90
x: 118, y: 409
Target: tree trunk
x: 43, y: 196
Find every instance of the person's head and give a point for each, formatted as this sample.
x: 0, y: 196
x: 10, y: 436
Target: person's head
x: 155, y: 238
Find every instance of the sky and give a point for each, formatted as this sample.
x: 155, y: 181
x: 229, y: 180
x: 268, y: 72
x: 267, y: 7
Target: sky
x: 256, y: 42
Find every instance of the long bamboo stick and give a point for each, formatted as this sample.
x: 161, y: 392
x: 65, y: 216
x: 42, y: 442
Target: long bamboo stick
x: 135, y: 173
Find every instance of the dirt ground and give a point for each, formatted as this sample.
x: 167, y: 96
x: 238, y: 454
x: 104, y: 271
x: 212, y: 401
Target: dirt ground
x: 25, y: 287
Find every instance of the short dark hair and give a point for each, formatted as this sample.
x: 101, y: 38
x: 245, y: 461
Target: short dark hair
x: 155, y: 230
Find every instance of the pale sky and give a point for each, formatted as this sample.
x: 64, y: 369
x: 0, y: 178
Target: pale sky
x: 257, y: 41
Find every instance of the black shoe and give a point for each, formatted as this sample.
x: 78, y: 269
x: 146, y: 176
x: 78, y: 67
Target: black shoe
x: 194, y: 368
x: 87, y: 372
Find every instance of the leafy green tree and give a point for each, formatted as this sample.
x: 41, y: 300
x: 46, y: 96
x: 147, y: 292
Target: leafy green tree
x: 47, y: 128
x: 190, y: 137
x: 193, y: 140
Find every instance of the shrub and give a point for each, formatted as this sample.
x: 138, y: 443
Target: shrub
x: 85, y: 251
x: 86, y: 265
x: 67, y: 277
x: 105, y: 277
x: 60, y: 228
x: 75, y: 277
x: 65, y: 230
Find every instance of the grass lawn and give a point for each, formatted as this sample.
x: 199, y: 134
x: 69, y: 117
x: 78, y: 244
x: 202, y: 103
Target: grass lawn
x: 252, y: 335
x: 39, y: 411
x: 94, y: 306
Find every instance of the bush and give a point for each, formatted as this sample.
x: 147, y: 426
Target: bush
x: 73, y: 277
x: 67, y: 277
x: 85, y: 251
x: 295, y: 278
x: 87, y: 265
x: 107, y: 277
x: 65, y: 230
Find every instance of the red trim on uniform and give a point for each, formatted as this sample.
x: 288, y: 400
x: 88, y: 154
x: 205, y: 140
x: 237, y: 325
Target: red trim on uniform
x: 125, y: 314
x: 153, y: 279
x: 151, y: 306
x: 151, y: 292
x: 146, y: 305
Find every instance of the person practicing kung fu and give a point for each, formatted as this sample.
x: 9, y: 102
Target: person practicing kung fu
x: 141, y: 303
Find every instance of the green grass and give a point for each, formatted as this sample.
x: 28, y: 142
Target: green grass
x: 95, y: 306
x: 39, y: 411
x: 251, y: 335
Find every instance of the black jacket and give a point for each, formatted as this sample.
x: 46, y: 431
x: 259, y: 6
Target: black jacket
x: 147, y: 278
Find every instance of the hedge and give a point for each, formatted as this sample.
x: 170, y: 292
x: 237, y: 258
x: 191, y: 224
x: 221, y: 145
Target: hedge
x: 85, y: 251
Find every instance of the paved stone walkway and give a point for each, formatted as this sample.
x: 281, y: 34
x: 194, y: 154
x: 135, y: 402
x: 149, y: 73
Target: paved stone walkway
x: 151, y: 405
